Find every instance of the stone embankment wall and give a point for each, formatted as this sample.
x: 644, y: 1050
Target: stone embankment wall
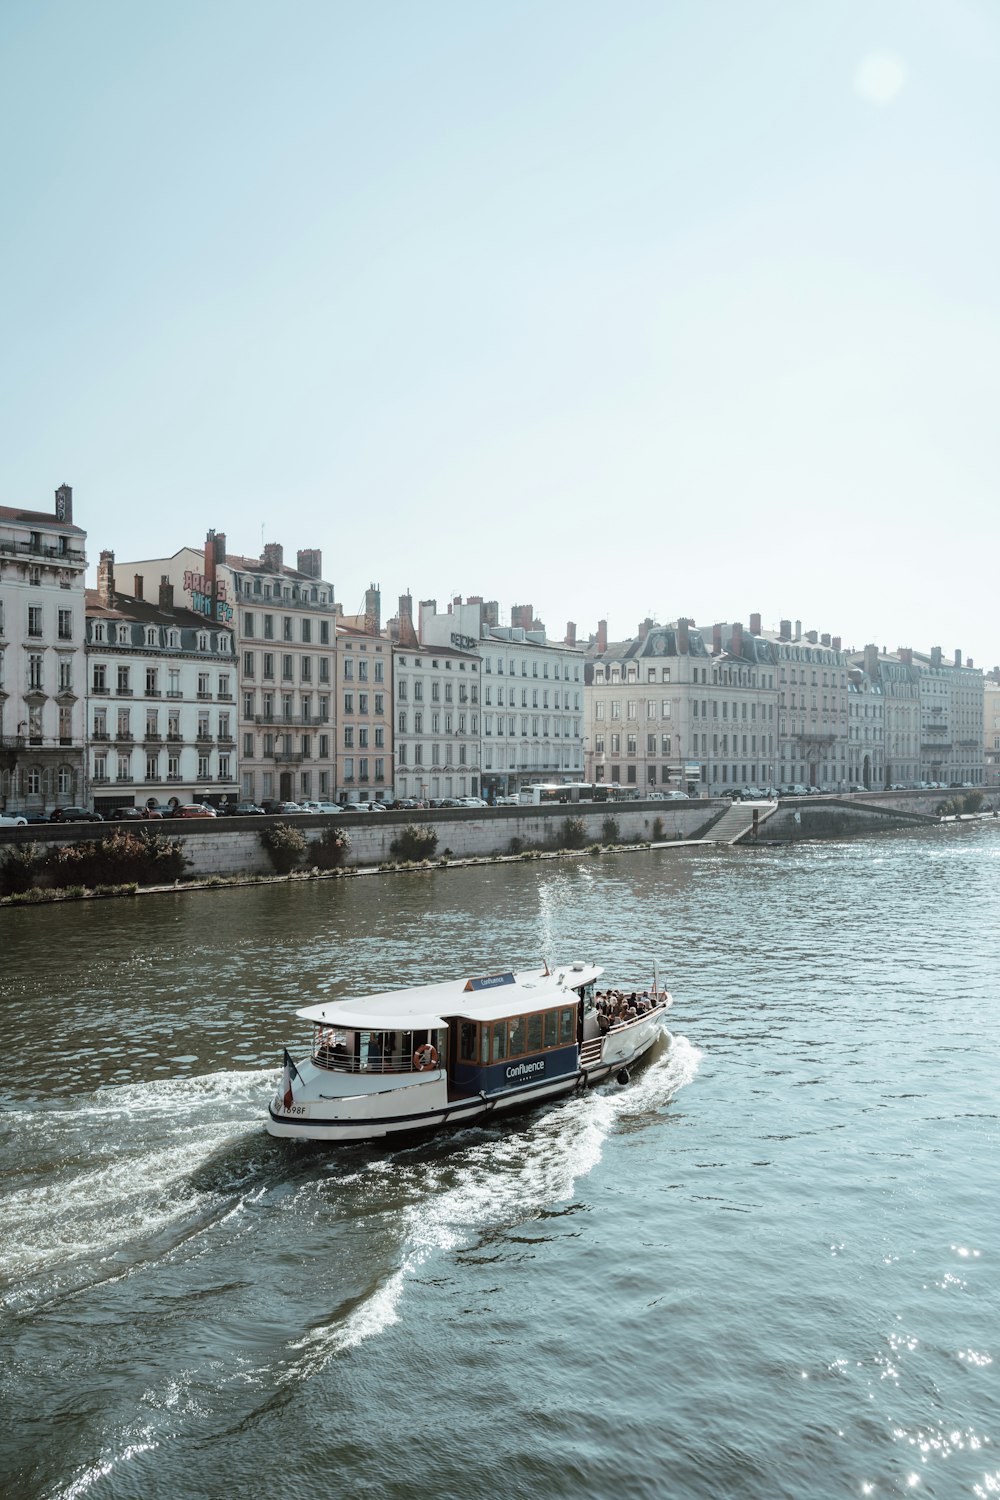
x: 232, y: 846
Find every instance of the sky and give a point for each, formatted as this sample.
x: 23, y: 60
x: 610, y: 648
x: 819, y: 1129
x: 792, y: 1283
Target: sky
x: 620, y: 310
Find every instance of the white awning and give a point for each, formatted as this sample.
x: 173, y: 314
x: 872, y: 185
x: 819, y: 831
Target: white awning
x: 369, y: 1019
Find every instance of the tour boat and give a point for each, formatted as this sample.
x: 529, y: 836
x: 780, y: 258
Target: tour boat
x: 460, y: 1051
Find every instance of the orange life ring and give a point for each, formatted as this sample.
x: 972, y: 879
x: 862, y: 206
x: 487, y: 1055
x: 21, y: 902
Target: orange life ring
x: 425, y: 1058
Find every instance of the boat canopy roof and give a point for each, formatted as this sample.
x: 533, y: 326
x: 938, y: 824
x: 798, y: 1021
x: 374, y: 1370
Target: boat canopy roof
x: 427, y: 1007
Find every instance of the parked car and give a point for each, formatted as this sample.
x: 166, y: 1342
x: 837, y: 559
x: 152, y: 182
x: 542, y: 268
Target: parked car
x: 194, y: 810
x: 676, y: 797
x: 74, y: 815
x: 125, y: 815
x: 472, y: 802
x: 509, y: 799
x: 244, y: 810
x: 34, y: 817
x: 13, y: 820
x: 272, y: 805
x: 355, y: 807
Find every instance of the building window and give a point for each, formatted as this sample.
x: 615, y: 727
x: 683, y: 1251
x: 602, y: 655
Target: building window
x: 65, y: 625
x: 34, y: 671
x: 123, y: 680
x: 35, y: 620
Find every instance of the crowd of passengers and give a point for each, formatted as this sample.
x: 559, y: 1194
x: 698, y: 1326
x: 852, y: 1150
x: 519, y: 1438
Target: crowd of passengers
x: 615, y: 1007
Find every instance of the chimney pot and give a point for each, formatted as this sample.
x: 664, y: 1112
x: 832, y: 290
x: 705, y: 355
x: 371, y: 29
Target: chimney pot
x: 755, y: 624
x: 166, y: 592
x: 137, y: 586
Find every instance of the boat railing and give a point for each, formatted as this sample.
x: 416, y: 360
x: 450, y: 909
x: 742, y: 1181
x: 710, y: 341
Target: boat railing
x: 337, y: 1060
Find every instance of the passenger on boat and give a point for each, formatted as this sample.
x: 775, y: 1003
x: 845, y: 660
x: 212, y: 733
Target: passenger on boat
x: 374, y: 1053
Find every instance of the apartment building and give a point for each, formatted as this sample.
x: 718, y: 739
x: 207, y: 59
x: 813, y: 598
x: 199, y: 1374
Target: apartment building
x: 436, y: 731
x: 531, y: 691
x: 672, y: 705
x: 813, y: 719
x: 364, y: 705
x: 951, y: 719
x: 162, y: 699
x: 42, y: 692
x: 284, y: 622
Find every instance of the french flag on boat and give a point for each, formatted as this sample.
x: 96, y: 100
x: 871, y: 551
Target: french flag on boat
x: 291, y: 1071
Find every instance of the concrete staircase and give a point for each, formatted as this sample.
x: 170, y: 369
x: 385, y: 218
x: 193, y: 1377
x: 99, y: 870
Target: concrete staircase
x: 737, y: 822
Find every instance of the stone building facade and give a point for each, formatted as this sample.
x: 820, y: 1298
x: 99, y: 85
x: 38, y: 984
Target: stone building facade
x: 42, y: 668
x: 531, y: 689
x: 436, y: 731
x: 162, y: 699
x: 284, y: 622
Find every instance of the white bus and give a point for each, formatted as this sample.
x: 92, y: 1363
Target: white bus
x: 543, y: 793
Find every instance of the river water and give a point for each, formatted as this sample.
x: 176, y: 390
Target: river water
x: 766, y: 1267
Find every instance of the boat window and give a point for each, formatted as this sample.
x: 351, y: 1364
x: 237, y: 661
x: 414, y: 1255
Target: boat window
x: 567, y: 1026
x: 467, y: 1041
x: 484, y: 1045
x: 534, y: 1033
x: 500, y: 1041
x: 551, y: 1028
x: 516, y: 1036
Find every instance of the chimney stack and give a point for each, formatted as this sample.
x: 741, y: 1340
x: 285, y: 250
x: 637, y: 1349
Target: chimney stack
x: 407, y: 634
x: 812, y: 637
x: 798, y: 630
x: 736, y: 639
x: 906, y: 655
x: 570, y: 639
x: 166, y: 592
x: 310, y: 562
x: 373, y: 610
x: 717, y: 640
x: 935, y: 656
x: 521, y: 616
x: 210, y: 575
x: 958, y: 658
x: 968, y: 661
x: 273, y: 557
x: 755, y: 624
x: 106, y: 579
x: 602, y: 635
x: 785, y: 630
x: 824, y: 639
x: 871, y: 661
x: 64, y: 503
x: 836, y: 643
x: 683, y: 638
x: 137, y: 586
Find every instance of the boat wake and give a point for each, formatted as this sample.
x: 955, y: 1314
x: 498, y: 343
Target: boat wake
x: 97, y: 1186
x: 469, y: 1190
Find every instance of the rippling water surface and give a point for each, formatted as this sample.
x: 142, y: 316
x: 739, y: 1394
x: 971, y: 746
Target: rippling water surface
x: 767, y: 1267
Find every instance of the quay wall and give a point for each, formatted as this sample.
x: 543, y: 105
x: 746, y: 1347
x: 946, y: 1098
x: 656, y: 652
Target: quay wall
x: 232, y: 846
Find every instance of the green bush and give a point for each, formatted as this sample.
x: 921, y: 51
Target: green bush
x: 17, y: 870
x: 125, y: 857
x: 414, y: 843
x: 972, y: 802
x: 285, y: 846
x: 610, y: 831
x: 329, y: 851
x: 572, y: 834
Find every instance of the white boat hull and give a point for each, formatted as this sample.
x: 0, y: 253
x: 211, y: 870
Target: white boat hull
x: 380, y: 1107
